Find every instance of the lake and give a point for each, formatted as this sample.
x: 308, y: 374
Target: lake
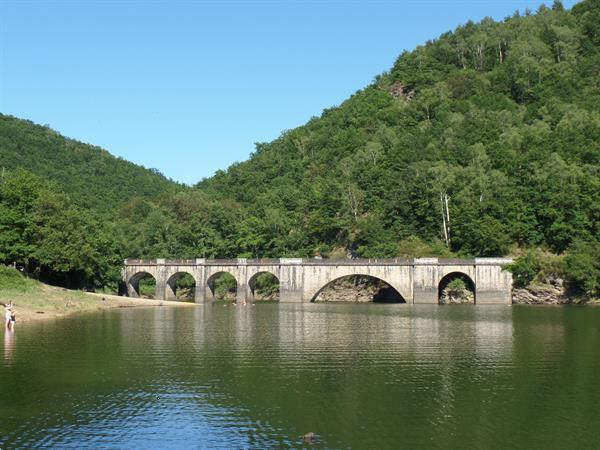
x: 357, y: 375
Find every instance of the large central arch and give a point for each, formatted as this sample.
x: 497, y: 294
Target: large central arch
x: 316, y: 277
x: 378, y: 289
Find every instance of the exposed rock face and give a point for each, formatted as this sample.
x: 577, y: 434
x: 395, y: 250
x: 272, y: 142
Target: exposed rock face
x: 261, y: 297
x: 358, y: 290
x: 537, y: 294
x: 453, y: 296
x: 398, y: 90
x: 349, y: 290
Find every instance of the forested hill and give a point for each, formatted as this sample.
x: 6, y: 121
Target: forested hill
x: 478, y: 142
x: 92, y: 177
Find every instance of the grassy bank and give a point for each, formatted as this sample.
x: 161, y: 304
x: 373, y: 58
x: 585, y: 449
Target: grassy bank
x: 35, y: 301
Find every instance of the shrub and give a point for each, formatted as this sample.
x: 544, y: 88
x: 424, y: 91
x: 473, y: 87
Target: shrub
x: 147, y: 286
x: 225, y: 286
x: 415, y: 247
x: 457, y: 284
x: 266, y: 285
x: 524, y: 269
x: 582, y: 267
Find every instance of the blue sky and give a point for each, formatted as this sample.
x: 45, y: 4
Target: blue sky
x: 187, y: 87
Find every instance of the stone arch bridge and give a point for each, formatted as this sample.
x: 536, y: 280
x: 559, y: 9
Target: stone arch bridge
x: 300, y: 280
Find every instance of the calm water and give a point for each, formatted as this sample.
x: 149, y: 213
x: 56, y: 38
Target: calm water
x: 359, y: 376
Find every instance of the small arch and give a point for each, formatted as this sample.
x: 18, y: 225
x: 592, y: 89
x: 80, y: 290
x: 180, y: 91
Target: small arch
x: 456, y: 287
x: 358, y: 289
x: 142, y: 285
x: 264, y: 286
x: 181, y: 286
x: 222, y: 286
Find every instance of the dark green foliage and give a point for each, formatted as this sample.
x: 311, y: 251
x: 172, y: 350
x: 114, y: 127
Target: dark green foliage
x: 582, y: 267
x: 185, y: 286
x: 47, y: 236
x: 457, y: 284
x: 92, y: 177
x: 147, y: 286
x: 224, y: 286
x: 524, y: 269
x: 266, y: 286
x: 502, y: 120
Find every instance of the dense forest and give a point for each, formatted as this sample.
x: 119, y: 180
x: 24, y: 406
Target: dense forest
x: 93, y: 178
x: 485, y: 141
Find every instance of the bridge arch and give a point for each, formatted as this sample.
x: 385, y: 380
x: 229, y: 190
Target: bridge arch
x: 222, y: 285
x: 449, y: 278
x: 178, y: 280
x: 264, y: 285
x: 382, y: 291
x: 134, y: 281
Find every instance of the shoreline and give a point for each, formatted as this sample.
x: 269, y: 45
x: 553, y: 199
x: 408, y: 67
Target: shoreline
x: 49, y: 302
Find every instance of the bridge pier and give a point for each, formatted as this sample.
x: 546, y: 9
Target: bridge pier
x: 291, y: 281
x: 241, y: 294
x: 199, y: 294
x: 425, y: 281
x: 493, y: 285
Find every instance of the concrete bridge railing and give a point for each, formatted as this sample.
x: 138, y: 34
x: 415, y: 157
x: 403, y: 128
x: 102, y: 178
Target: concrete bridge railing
x: 300, y: 280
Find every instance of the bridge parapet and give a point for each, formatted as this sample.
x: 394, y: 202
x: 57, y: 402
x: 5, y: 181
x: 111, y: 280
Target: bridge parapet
x: 315, y: 261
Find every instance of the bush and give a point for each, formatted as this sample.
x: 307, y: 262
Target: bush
x: 524, y: 269
x: 457, y: 291
x: 225, y: 286
x: 457, y: 284
x: 266, y: 285
x: 147, y: 287
x: 415, y: 247
x: 582, y: 267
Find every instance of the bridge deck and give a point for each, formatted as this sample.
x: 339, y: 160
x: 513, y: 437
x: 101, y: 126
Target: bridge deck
x: 317, y: 262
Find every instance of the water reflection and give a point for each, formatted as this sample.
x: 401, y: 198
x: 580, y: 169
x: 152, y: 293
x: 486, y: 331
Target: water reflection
x: 9, y: 345
x: 365, y: 376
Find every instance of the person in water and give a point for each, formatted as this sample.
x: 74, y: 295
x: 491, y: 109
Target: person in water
x: 13, y: 317
x: 9, y: 315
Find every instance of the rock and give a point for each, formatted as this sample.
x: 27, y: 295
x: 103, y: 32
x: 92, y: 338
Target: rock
x: 308, y: 438
x: 455, y: 296
x: 353, y: 289
x: 398, y: 90
x: 545, y: 293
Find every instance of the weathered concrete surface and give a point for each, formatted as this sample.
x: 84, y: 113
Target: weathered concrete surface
x: 300, y: 280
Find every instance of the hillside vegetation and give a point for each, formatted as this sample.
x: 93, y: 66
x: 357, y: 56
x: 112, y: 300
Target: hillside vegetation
x: 91, y: 176
x: 485, y: 141
x: 486, y: 138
